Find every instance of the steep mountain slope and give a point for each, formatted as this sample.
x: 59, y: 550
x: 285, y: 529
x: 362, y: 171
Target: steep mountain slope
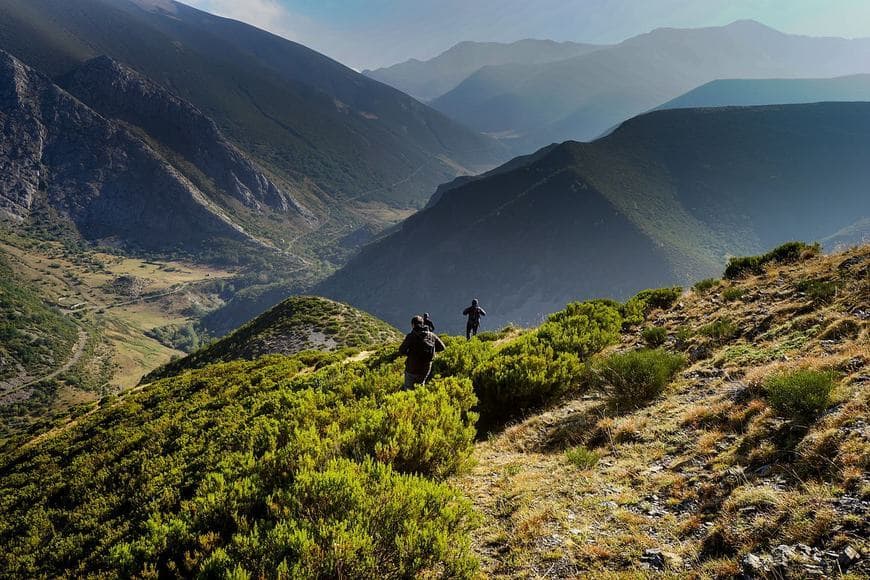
x: 663, y: 199
x: 332, y: 134
x: 713, y: 478
x: 308, y: 466
x: 296, y: 324
x: 109, y: 182
x: 432, y: 78
x: 744, y: 92
x: 580, y: 98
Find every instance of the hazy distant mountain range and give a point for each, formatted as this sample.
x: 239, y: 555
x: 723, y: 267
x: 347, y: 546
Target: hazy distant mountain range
x: 427, y: 80
x: 319, y: 142
x: 530, y: 104
x: 746, y: 92
x: 662, y: 200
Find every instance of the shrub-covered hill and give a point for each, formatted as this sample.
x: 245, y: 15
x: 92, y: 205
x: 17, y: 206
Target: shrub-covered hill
x: 737, y: 428
x: 298, y: 323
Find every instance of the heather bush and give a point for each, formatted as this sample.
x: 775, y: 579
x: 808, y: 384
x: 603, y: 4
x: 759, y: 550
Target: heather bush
x: 706, y: 284
x: 634, y: 378
x: 786, y: 253
x: 801, y: 394
x: 654, y: 336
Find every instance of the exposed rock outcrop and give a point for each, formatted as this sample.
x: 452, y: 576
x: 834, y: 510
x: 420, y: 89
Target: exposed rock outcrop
x: 119, y: 92
x: 109, y: 182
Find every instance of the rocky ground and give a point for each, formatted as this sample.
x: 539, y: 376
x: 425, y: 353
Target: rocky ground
x: 707, y: 481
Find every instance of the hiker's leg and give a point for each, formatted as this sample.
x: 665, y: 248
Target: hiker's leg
x: 474, y: 329
x: 468, y: 328
x: 409, y: 381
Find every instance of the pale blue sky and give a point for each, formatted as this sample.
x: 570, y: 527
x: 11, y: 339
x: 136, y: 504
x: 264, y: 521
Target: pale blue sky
x: 373, y: 33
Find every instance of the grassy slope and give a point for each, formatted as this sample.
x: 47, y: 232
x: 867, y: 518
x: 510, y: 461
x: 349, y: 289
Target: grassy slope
x: 297, y: 324
x: 70, y: 291
x: 708, y: 472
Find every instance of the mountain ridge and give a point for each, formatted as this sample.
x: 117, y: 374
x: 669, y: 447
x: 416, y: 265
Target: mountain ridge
x: 686, y: 187
x: 581, y: 97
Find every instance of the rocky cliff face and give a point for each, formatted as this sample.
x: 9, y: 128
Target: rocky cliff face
x: 109, y: 182
x: 119, y: 92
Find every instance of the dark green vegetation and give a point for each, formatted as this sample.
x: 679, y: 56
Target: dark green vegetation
x: 319, y: 465
x: 427, y: 80
x: 264, y: 466
x: 662, y: 200
x: 654, y: 336
x: 801, y: 394
x: 749, y: 92
x: 312, y: 464
x: 634, y: 378
x: 34, y: 337
x: 783, y: 254
x: 705, y: 284
x: 336, y: 144
x: 296, y: 324
x: 585, y: 96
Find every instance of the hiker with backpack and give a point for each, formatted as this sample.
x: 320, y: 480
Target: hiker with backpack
x: 419, y: 346
x: 473, y: 312
x: 427, y: 322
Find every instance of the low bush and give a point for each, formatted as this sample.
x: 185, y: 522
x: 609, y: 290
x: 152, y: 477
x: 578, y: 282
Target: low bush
x: 634, y: 378
x: 706, y: 284
x: 786, y: 253
x: 819, y: 291
x: 654, y: 336
x: 720, y: 330
x: 461, y: 357
x: 732, y: 293
x: 582, y: 457
x: 582, y: 328
x: 662, y: 298
x: 801, y: 394
x: 527, y: 376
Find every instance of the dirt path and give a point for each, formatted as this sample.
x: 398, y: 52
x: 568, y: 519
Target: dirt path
x: 77, y: 352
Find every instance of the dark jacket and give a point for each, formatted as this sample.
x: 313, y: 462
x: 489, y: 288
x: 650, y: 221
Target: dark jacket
x: 427, y: 322
x: 474, y: 313
x: 417, y: 362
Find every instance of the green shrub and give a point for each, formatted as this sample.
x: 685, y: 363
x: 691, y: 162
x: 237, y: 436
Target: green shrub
x: 582, y: 328
x: 634, y: 378
x: 786, y: 253
x: 654, y: 336
x: 801, y: 394
x: 662, y: 298
x: 461, y: 357
x: 819, y: 291
x: 706, y: 284
x: 582, y: 457
x: 632, y: 313
x: 733, y: 293
x: 720, y: 330
x: 527, y: 376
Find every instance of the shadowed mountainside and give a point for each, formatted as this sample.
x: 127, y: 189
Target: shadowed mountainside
x: 664, y: 199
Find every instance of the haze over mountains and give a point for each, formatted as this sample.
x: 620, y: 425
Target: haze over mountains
x: 662, y: 200
x: 746, y: 92
x: 331, y: 140
x: 531, y: 105
x: 427, y: 80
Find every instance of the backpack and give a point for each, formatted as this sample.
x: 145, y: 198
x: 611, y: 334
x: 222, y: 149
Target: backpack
x: 424, y: 345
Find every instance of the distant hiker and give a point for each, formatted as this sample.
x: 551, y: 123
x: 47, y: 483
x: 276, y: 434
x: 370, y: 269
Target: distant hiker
x: 473, y: 312
x: 420, y: 346
x: 427, y: 322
